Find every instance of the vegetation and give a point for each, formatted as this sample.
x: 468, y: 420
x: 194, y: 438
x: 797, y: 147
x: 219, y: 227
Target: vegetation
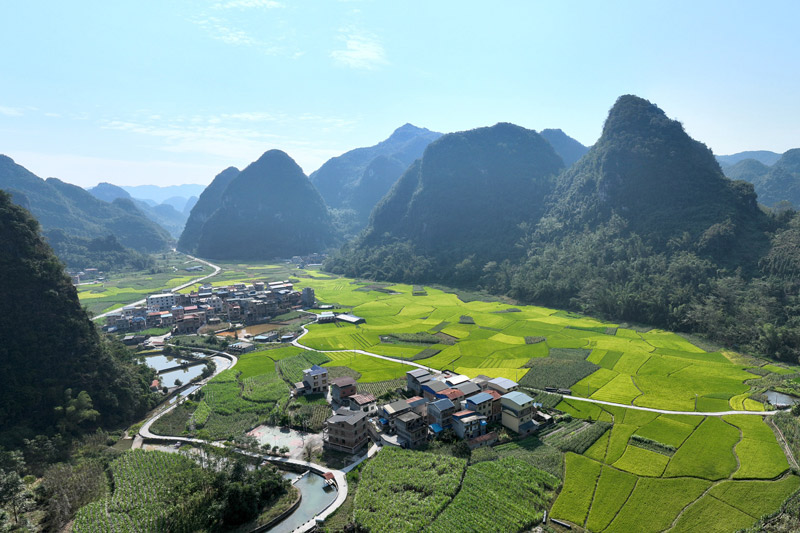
x: 72, y: 362
x: 291, y: 368
x: 158, y: 491
x: 403, y: 490
x: 504, y: 495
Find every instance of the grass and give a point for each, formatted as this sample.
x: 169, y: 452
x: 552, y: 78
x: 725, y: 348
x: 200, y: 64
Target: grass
x: 576, y: 496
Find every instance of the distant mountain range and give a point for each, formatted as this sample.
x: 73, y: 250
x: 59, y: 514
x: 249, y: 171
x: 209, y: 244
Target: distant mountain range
x: 60, y: 206
x: 268, y: 210
x: 358, y: 179
x: 168, y: 215
x: 762, y: 156
x: 776, y: 183
x: 565, y: 146
x: 166, y: 194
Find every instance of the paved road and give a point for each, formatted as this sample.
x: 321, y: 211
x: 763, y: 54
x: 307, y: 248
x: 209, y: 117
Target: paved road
x: 174, y: 289
x: 667, y: 412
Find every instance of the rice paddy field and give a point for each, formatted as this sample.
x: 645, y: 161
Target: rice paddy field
x: 709, y: 473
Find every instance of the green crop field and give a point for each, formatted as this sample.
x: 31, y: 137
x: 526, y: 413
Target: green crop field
x: 707, y: 452
x: 404, y: 490
x: 497, y: 496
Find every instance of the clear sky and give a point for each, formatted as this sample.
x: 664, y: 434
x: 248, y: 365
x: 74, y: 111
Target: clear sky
x: 174, y: 91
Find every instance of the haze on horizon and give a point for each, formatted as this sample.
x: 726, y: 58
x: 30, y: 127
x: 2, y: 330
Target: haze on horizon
x: 169, y: 93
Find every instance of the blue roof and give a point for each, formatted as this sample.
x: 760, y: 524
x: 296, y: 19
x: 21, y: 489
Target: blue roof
x: 480, y: 398
x: 517, y: 397
x: 504, y: 382
x: 383, y: 421
x: 443, y: 404
x: 436, y: 428
x: 316, y: 369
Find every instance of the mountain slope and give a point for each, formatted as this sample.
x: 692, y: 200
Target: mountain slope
x: 568, y: 149
x: 59, y: 205
x: 206, y: 204
x: 358, y: 178
x: 750, y: 170
x: 782, y: 182
x: 165, y: 214
x: 463, y: 200
x: 269, y: 210
x: 762, y: 156
x: 646, y: 170
x: 56, y: 346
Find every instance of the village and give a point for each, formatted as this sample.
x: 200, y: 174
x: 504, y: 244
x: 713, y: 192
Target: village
x: 438, y: 404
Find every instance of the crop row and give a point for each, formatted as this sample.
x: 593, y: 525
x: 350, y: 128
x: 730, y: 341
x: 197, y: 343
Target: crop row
x: 291, y: 368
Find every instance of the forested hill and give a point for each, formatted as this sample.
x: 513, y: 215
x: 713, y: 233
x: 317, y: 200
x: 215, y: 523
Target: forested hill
x: 269, y: 210
x: 644, y: 228
x: 663, y: 184
x: 51, y: 347
x: 164, y: 214
x: 776, y: 184
x: 73, y: 210
x: 358, y: 179
x: 765, y: 157
x: 567, y: 148
x: 462, y: 203
x: 208, y: 202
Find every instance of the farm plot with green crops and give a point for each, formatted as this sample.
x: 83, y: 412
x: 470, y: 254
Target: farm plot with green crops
x: 712, y: 515
x: 291, y: 368
x: 533, y: 451
x: 653, y: 369
x: 370, y: 368
x: 497, y: 496
x: 143, y: 483
x: 706, y: 452
x: 403, y: 490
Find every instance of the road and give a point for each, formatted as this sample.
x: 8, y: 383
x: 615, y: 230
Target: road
x: 667, y: 412
x: 174, y: 289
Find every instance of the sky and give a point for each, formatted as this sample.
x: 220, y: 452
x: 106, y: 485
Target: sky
x: 171, y: 92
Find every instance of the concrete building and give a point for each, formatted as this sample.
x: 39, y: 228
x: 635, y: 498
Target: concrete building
x: 468, y: 388
x: 481, y: 403
x: 366, y: 403
x: 161, y: 302
x: 441, y: 412
x: 431, y: 388
x: 391, y: 411
x: 412, y: 429
x: 315, y: 380
x: 342, y: 388
x: 502, y: 385
x: 518, y: 412
x: 345, y: 431
x: 469, y: 424
x: 416, y: 378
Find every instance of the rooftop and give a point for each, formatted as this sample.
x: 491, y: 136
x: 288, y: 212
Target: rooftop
x: 343, y: 381
x: 480, y: 398
x: 443, y: 404
x: 435, y: 386
x: 395, y: 407
x: 362, y: 399
x: 347, y: 416
x: 468, y: 387
x: 315, y: 370
x: 504, y: 383
x: 456, y: 380
x: 418, y: 372
x: 408, y: 417
x: 519, y: 398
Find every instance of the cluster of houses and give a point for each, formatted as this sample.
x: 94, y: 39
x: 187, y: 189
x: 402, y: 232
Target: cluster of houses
x: 87, y: 274
x: 438, y: 403
x: 186, y: 313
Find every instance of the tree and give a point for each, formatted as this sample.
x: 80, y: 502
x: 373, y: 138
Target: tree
x: 12, y: 487
x: 75, y: 412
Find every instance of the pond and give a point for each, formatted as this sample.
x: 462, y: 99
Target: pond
x: 317, y: 496
x: 185, y: 375
x: 161, y: 362
x: 778, y: 398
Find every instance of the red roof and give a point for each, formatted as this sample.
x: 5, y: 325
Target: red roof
x: 415, y: 398
x: 361, y: 399
x: 328, y: 475
x: 465, y: 412
x: 496, y: 395
x: 452, y: 394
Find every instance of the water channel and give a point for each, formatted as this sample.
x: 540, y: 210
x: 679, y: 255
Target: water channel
x: 317, y: 496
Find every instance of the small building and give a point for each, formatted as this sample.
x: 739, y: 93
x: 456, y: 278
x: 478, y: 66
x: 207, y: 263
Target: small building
x: 366, y: 403
x: 350, y: 319
x: 161, y: 302
x: 241, y: 347
x: 496, y: 406
x: 342, y: 388
x: 412, y: 429
x: 454, y: 395
x: 416, y: 378
x: 469, y: 424
x: 326, y: 317
x: 315, y: 380
x: 456, y: 379
x: 155, y: 385
x: 481, y: 381
x: 481, y: 403
x: 418, y: 405
x: 391, y: 411
x: 503, y: 385
x: 345, y: 431
x: 468, y: 388
x: 441, y: 412
x: 432, y: 388
x: 518, y: 412
x: 484, y: 440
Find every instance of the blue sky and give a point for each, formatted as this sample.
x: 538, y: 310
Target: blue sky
x: 174, y: 91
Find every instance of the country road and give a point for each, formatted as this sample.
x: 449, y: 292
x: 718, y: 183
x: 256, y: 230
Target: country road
x: 179, y: 287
